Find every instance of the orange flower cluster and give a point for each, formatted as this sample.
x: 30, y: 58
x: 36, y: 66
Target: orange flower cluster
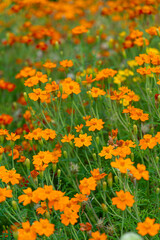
x: 38, y: 134
x: 34, y: 80
x: 136, y: 113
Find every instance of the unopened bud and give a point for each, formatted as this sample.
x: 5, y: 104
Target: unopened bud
x: 15, y: 234
x: 14, y: 205
x: 157, y: 159
x: 27, y: 163
x: 132, y: 156
x: 97, y: 140
x: 47, y: 215
x: 158, y: 190
x: 57, y: 45
x: 104, y: 186
x: 65, y: 154
x: 41, y: 142
x: 158, y: 98
x: 59, y: 172
x: 104, y: 207
x: 116, y: 179
x: 54, y: 167
x: 25, y: 96
x: 94, y: 156
x: 110, y: 179
x: 135, y: 129
x: 89, y: 94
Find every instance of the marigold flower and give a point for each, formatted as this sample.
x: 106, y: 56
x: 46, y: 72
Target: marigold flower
x: 95, y: 92
x: 11, y: 176
x: 43, y: 227
x: 69, y: 217
x: 123, y: 200
x: 107, y: 152
x: 79, y: 30
x: 83, y: 140
x: 87, y: 184
x: 66, y: 63
x: 98, y: 236
x: 26, y: 232
x: 97, y: 175
x: 12, y: 137
x: 140, y: 172
x: 5, y: 193
x: 94, y: 124
x: 122, y: 164
x: 148, y: 227
x: 67, y: 138
x: 148, y: 141
x: 79, y: 127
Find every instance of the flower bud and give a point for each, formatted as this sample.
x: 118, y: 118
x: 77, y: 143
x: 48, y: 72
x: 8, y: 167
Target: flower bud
x: 54, y: 167
x: 65, y: 154
x: 89, y: 94
x: 14, y: 205
x: 59, y: 172
x: 25, y: 96
x: 97, y: 140
x: 57, y: 45
x: 159, y: 99
x: 157, y: 159
x: 94, y: 156
x: 158, y: 190
x: 104, y: 186
x: 131, y: 236
x: 110, y: 179
x: 104, y: 207
x: 132, y: 156
x: 47, y: 215
x: 27, y: 163
x: 116, y: 179
x: 135, y: 129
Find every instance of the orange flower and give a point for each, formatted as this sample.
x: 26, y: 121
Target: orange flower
x: 79, y: 127
x: 5, y: 193
x: 11, y: 176
x: 79, y: 30
x: 148, y: 227
x: 43, y: 227
x: 87, y: 184
x: 140, y: 172
x: 83, y: 140
x: 107, y: 152
x: 26, y: 232
x: 122, y: 164
x: 12, y: 137
x: 49, y: 65
x: 123, y: 200
x: 97, y: 175
x: 79, y: 198
x: 66, y: 63
x: 94, y: 124
x: 67, y: 138
x: 95, y: 92
x: 69, y: 217
x: 70, y: 86
x: 148, y: 141
x: 26, y: 198
x: 98, y: 236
